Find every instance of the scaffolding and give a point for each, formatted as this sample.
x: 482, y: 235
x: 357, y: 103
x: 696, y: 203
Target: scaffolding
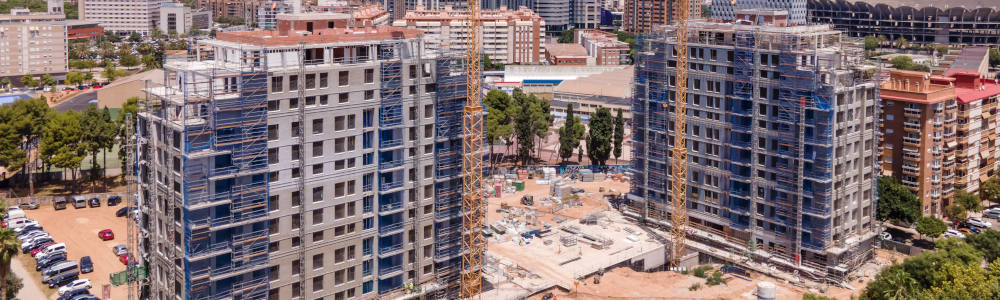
x: 217, y: 113
x: 449, y: 104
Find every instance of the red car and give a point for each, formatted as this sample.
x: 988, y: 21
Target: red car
x: 39, y: 249
x: 106, y: 235
x: 125, y: 258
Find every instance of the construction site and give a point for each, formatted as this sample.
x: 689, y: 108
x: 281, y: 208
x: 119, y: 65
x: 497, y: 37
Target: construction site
x: 569, y: 235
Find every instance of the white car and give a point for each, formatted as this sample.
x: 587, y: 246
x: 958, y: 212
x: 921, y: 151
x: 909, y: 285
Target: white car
x: 979, y: 222
x: 953, y: 233
x: 75, y: 285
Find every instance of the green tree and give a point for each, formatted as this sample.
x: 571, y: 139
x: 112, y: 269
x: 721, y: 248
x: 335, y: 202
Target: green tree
x: 892, y: 284
x: 902, y: 62
x: 570, y: 134
x: 896, y: 202
x: 135, y: 37
x: 14, y: 285
x: 994, y: 57
x: 871, y: 43
x: 48, y: 81
x: 28, y: 117
x: 630, y: 40
x: 969, y: 201
x: 111, y: 73
x: 72, y: 10
x: 99, y: 136
x: 991, y: 190
x: 531, y: 120
x: 619, y: 138
x: 10, y: 246
x: 195, y: 31
x: 156, y: 33
x: 902, y: 43
x: 74, y: 78
x: 808, y: 296
x: 88, y: 77
x: 499, y: 120
x: 107, y: 49
x: 129, y: 61
x: 5, y: 83
x: 150, y: 62
x: 601, y: 132
x: 566, y: 37
x: 941, y: 50
x: 987, y: 242
x: 956, y: 211
x: 61, y: 141
x: 930, y: 226
x: 29, y: 81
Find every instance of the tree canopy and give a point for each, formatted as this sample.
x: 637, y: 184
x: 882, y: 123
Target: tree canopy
x: 599, y: 139
x: 951, y: 272
x: 904, y: 62
x: 531, y: 119
x: 570, y: 134
x: 930, y: 226
x: 896, y: 202
x: 968, y: 200
x: 990, y: 190
x: 566, y: 37
x: 619, y: 138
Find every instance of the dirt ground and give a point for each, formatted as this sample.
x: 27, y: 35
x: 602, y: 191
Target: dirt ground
x: 78, y: 228
x: 626, y: 283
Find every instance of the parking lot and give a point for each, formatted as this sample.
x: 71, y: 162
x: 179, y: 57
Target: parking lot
x: 78, y: 228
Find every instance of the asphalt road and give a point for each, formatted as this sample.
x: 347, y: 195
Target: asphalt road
x: 79, y: 102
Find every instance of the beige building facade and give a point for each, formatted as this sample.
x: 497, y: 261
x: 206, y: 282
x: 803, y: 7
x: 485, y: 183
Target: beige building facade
x: 509, y: 36
x: 32, y: 43
x: 122, y: 15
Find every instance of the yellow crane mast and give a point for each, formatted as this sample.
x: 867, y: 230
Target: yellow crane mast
x: 473, y: 244
x: 678, y: 161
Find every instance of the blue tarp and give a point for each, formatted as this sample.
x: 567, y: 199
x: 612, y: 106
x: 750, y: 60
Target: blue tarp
x: 538, y: 81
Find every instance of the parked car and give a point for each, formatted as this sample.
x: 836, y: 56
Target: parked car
x: 125, y: 258
x: 39, y: 248
x: 119, y: 249
x: 59, y: 203
x: 992, y: 213
x: 86, y: 265
x: 51, y: 249
x: 79, y: 202
x: 114, y: 200
x: 29, y: 228
x: 60, y: 268
x: 73, y: 294
x: 106, y: 235
x: 953, y: 233
x: 94, y: 202
x: 75, y: 285
x: 13, y: 207
x: 36, y: 243
x: 29, y: 205
x: 121, y: 212
x: 85, y: 297
x: 63, y: 279
x: 979, y: 222
x: 49, y: 261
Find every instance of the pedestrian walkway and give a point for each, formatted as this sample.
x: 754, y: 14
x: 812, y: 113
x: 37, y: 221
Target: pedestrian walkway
x: 31, y: 289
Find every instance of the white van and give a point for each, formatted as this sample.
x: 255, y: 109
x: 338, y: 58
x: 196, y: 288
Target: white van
x: 50, y: 249
x: 14, y: 214
x: 20, y: 222
x: 79, y: 201
x: 58, y: 269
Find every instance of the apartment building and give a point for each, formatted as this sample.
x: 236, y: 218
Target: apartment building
x: 175, y: 17
x: 727, y: 10
x: 267, y: 15
x: 304, y: 166
x: 782, y: 143
x: 642, y: 15
x: 919, y: 137
x: 977, y: 150
x: 122, y: 16
x: 509, y: 36
x: 245, y: 9
x: 32, y: 43
x: 371, y: 16
x: 604, y: 47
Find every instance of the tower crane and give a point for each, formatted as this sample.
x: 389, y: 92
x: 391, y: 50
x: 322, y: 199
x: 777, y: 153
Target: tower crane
x: 473, y: 213
x: 678, y: 161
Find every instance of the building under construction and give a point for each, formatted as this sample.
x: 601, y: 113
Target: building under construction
x: 782, y: 142
x: 307, y: 165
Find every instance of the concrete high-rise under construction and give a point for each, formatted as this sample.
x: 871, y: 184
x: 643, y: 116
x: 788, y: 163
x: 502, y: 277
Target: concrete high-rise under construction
x: 309, y: 165
x: 782, y: 137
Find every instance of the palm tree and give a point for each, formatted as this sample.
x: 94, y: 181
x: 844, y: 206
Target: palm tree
x: 904, y: 286
x: 9, y: 247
